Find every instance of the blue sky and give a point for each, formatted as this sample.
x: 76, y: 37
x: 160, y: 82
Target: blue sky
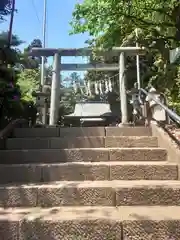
x: 28, y: 24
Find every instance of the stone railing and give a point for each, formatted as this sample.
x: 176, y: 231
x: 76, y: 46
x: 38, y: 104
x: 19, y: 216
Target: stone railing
x: 8, y: 130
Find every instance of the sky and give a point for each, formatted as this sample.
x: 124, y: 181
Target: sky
x: 28, y: 25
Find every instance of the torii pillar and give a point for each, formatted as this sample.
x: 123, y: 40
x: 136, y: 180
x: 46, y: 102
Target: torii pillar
x: 122, y: 89
x: 55, y: 90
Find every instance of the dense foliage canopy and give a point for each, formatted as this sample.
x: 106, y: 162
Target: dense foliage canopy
x: 113, y: 23
x: 5, y: 8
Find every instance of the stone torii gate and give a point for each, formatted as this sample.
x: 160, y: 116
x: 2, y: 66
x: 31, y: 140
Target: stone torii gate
x: 121, y: 52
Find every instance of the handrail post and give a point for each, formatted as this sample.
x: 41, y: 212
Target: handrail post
x: 167, y: 110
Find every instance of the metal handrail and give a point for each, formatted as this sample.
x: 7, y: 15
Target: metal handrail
x: 172, y: 114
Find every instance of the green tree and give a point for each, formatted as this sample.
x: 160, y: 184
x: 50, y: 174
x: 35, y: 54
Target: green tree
x: 12, y: 104
x: 31, y: 62
x: 109, y: 21
x: 28, y: 82
x: 113, y: 22
x: 9, y: 91
x: 9, y: 56
x: 5, y: 8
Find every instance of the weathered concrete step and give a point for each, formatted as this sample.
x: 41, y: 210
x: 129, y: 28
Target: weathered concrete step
x: 91, y: 193
x: 82, y: 132
x: 82, y: 155
x: 130, y: 141
x: 143, y: 171
x: 128, y: 131
x: 57, y: 131
x: 80, y: 142
x: 81, y: 171
x: 87, y: 223
x: 150, y: 223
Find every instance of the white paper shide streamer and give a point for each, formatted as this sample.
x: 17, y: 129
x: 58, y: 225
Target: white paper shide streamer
x: 86, y: 89
x: 75, y: 86
x: 100, y: 88
x: 89, y: 88
x: 110, y: 85
x: 81, y: 89
x: 96, y: 88
x: 106, y: 86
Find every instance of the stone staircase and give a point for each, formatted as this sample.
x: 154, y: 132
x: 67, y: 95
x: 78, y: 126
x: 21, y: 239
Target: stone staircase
x: 88, y: 184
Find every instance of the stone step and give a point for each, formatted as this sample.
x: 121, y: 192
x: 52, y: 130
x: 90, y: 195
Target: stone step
x: 56, y: 132
x: 91, y: 193
x: 82, y: 155
x: 80, y: 142
x: 128, y: 131
x: 130, y: 141
x: 87, y: 223
x: 36, y: 132
x: 82, y: 131
x: 81, y: 171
